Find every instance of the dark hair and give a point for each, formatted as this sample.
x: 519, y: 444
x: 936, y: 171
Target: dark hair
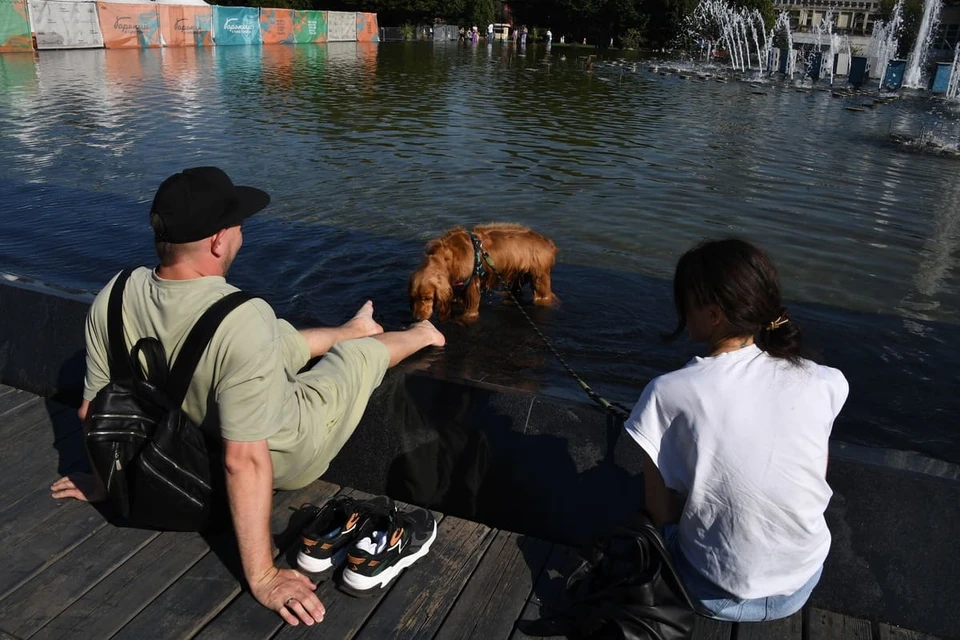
x: 741, y: 280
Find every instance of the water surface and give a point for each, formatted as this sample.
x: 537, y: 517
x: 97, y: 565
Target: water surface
x: 369, y: 151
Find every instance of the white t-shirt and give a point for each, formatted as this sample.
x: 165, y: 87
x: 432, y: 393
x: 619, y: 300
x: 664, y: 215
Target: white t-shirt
x: 744, y: 436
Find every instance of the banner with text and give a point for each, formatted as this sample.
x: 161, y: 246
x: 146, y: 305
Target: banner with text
x: 276, y: 26
x: 186, y: 25
x: 236, y: 25
x: 310, y: 26
x: 129, y: 26
x: 341, y: 26
x: 65, y: 25
x: 15, y: 26
x: 367, y: 29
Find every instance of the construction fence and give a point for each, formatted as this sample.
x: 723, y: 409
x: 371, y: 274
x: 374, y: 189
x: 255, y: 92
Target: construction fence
x: 79, y: 24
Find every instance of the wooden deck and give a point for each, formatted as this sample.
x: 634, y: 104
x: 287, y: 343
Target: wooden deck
x: 68, y: 573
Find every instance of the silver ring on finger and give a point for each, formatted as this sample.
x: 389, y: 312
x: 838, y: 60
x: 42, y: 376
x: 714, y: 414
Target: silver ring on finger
x: 288, y: 601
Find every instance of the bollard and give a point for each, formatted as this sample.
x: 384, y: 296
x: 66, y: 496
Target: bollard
x: 941, y: 79
x: 893, y: 77
x: 858, y: 71
x: 813, y: 66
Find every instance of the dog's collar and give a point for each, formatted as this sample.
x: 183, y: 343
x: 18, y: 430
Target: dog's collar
x: 479, y: 255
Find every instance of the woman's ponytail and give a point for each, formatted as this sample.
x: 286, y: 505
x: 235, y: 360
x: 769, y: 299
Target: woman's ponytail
x: 781, y: 337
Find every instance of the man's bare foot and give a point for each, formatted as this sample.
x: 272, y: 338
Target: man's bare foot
x: 362, y: 325
x: 434, y: 337
x: 80, y: 486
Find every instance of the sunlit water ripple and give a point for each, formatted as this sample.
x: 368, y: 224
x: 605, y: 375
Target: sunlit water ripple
x: 368, y: 152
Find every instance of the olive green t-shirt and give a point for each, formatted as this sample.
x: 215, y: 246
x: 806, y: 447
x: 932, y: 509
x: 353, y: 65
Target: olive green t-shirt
x: 245, y: 387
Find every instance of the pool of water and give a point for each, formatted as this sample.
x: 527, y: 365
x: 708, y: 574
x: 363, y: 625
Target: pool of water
x: 368, y: 151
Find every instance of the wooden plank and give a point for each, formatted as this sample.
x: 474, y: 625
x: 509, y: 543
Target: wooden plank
x: 890, y: 632
x: 826, y: 625
x: 195, y: 598
x: 204, y: 590
x: 49, y: 531
x: 13, y: 399
x: 549, y: 587
x: 497, y: 592
x: 244, y: 617
x: 52, y: 590
x: 786, y: 629
x: 346, y: 614
x: 709, y: 629
x: 423, y: 594
x: 106, y: 608
x: 17, y: 419
x: 32, y: 457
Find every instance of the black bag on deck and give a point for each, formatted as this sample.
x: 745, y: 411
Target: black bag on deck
x: 160, y: 470
x: 626, y: 588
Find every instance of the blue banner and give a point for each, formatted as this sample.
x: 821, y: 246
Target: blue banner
x: 236, y: 25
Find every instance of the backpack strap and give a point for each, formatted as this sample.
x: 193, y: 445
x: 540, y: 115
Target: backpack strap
x: 119, y: 359
x: 181, y: 372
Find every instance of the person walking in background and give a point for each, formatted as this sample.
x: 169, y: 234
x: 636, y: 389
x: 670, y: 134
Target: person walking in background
x: 523, y: 36
x: 549, y: 37
x: 736, y: 442
x: 490, y: 33
x: 516, y: 35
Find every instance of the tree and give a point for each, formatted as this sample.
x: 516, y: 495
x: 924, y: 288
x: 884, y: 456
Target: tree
x: 912, y: 15
x: 482, y: 13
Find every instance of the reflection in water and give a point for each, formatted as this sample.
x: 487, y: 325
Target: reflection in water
x: 370, y: 150
x: 938, y: 250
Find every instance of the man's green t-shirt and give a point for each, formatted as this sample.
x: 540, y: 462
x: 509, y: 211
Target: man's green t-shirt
x: 245, y: 387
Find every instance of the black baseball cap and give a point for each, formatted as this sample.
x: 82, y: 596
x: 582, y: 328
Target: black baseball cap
x: 196, y: 203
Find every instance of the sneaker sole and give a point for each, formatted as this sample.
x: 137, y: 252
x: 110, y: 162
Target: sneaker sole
x: 316, y: 567
x: 360, y: 586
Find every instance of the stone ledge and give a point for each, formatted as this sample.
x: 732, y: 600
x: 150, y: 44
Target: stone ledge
x: 562, y: 470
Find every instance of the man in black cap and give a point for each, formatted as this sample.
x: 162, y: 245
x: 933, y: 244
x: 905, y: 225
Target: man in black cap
x: 280, y: 428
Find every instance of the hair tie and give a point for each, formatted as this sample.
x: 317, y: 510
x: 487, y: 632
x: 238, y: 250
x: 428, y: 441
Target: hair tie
x: 776, y: 324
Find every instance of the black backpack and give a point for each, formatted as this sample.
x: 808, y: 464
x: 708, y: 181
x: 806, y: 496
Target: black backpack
x: 625, y: 588
x: 160, y: 469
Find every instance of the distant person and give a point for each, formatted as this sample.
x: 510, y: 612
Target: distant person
x: 549, y: 36
x: 490, y: 33
x: 523, y: 36
x: 462, y: 34
x: 736, y: 442
x: 516, y: 35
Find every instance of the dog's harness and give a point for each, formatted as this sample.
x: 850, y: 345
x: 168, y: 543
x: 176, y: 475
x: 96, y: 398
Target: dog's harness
x: 479, y: 257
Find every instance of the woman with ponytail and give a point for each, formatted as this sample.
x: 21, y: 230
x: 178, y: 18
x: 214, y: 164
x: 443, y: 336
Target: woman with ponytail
x: 736, y: 442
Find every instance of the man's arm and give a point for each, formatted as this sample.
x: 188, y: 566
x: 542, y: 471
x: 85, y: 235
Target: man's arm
x: 249, y: 474
x: 79, y: 485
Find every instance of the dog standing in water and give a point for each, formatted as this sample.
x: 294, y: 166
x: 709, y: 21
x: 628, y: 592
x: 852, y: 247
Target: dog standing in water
x: 454, y: 268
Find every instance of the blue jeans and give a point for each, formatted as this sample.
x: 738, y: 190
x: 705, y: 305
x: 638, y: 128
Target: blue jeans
x: 712, y: 601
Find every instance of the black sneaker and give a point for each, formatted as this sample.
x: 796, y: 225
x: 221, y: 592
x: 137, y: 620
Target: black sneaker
x: 333, y: 529
x: 385, y: 546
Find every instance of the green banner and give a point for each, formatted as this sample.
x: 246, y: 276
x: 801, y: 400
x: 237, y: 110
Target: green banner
x: 310, y: 26
x: 15, y: 26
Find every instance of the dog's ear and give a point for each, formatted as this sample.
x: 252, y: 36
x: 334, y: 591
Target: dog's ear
x: 443, y: 297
